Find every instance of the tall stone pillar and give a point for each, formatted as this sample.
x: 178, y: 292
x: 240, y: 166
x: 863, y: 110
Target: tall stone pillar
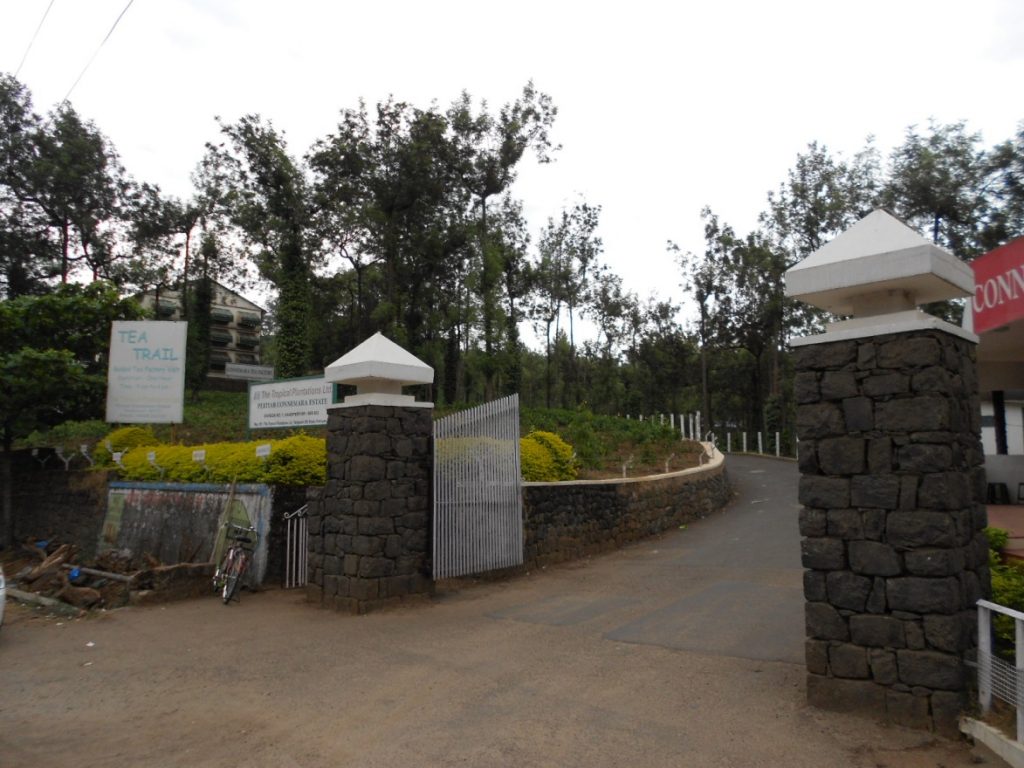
x: 369, y: 530
x: 892, y: 480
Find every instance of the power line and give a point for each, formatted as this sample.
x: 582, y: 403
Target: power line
x: 32, y: 41
x: 89, y: 63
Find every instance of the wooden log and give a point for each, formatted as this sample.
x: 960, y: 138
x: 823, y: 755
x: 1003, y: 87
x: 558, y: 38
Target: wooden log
x: 81, y: 597
x: 31, y: 598
x: 52, y: 563
x: 126, y: 578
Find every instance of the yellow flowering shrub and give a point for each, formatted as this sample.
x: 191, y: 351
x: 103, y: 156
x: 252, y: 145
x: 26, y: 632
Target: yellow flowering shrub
x: 123, y: 439
x: 545, y: 457
x: 297, y: 460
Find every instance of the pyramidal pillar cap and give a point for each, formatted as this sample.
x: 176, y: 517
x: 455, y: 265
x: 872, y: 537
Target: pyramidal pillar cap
x: 379, y: 369
x: 877, y: 273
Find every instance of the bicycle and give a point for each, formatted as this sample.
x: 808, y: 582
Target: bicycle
x: 235, y: 562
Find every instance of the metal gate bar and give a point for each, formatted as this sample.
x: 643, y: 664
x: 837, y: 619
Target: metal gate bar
x: 478, y: 507
x: 295, y: 548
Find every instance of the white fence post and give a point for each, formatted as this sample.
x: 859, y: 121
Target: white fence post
x: 744, y: 442
x: 728, y: 442
x: 985, y: 658
x: 778, y: 445
x: 700, y: 432
x: 760, y: 442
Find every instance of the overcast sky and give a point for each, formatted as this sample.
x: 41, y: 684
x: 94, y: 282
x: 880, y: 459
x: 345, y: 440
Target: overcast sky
x: 663, y: 107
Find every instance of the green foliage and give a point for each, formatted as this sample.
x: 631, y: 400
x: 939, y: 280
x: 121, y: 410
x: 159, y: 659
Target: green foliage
x: 997, y: 538
x: 124, y: 439
x: 545, y: 457
x: 1007, y: 583
x: 299, y: 460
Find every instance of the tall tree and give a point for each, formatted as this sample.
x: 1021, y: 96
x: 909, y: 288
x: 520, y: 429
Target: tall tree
x: 266, y: 195
x: 53, y: 363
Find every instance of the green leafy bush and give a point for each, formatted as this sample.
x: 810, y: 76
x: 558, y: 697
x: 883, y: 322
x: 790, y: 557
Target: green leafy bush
x: 545, y: 457
x: 298, y: 460
x: 1007, y: 583
x: 124, y: 439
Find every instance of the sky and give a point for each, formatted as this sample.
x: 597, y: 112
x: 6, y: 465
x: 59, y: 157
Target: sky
x: 664, y: 107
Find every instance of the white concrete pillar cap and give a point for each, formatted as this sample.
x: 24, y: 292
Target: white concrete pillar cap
x: 878, y: 272
x: 379, y: 369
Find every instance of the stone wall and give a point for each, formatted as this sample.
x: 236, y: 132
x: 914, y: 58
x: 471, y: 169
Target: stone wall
x: 369, y: 542
x: 892, y: 489
x: 567, y: 521
x: 52, y: 504
x: 70, y: 507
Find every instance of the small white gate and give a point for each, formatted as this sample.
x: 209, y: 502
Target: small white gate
x: 295, y: 553
x: 478, y: 505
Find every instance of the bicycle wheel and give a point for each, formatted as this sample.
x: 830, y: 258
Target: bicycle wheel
x: 232, y: 577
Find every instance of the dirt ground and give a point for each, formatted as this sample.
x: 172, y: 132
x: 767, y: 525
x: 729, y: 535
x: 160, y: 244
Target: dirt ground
x: 273, y: 681
x: 684, y: 650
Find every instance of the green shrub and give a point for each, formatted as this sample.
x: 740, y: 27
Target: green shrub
x: 298, y: 460
x: 124, y: 439
x: 545, y: 457
x: 1007, y: 583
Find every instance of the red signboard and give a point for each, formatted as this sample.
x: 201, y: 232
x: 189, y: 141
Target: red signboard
x: 999, y: 287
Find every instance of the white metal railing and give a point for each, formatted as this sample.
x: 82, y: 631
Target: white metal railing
x: 997, y: 677
x: 296, y: 548
x: 478, y: 506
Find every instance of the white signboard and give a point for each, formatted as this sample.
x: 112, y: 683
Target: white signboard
x: 146, y: 377
x: 251, y: 372
x: 290, y: 403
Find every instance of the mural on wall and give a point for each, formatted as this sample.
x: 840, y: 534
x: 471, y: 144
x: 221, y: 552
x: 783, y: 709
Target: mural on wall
x: 185, y: 523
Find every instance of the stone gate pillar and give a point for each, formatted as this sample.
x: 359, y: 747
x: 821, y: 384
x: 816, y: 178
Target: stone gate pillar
x: 369, y: 530
x: 892, y: 479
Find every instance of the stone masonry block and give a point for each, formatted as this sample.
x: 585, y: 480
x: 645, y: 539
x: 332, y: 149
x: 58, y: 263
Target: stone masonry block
x: 931, y: 669
x: 907, y: 710
x: 836, y: 385
x: 877, y: 631
x: 849, y: 661
x: 882, y: 384
x: 875, y: 491
x: 915, y: 352
x: 873, y: 558
x: 819, y: 420
x: 824, y: 492
x: 934, y: 562
x: 944, y: 490
x: 815, y: 590
x: 880, y: 456
x: 883, y: 666
x: 816, y: 656
x: 823, y: 622
x: 841, y: 455
x: 823, y: 554
x: 858, y: 414
x: 909, y: 530
x: 805, y: 387
x: 848, y: 590
x: 913, y: 414
x: 923, y: 595
x: 846, y: 524
x: 822, y: 356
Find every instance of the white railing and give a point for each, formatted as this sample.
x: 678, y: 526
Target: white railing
x: 478, y: 505
x: 997, y: 677
x: 296, y: 548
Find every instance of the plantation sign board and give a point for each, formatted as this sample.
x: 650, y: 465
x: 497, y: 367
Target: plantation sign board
x: 146, y: 374
x: 290, y: 403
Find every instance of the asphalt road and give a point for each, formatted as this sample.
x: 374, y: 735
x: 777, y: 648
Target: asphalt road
x: 684, y: 650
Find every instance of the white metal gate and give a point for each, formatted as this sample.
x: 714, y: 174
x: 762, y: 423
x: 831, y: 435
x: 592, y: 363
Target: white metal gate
x: 295, y: 548
x: 478, y: 505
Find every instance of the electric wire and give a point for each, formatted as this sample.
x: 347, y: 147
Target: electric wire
x: 98, y: 49
x: 33, y: 40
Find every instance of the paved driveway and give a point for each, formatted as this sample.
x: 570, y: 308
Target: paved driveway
x: 684, y: 650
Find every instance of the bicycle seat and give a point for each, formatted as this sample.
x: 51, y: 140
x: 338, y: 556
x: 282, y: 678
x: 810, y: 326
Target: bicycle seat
x: 242, y: 539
